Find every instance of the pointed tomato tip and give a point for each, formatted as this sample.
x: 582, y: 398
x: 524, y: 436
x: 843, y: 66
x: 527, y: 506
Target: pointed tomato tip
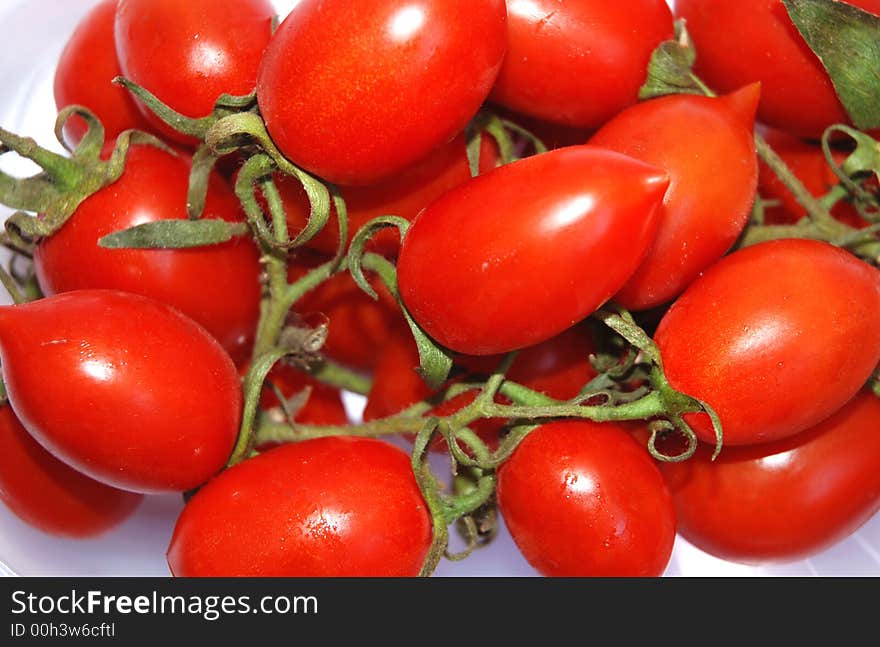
x: 744, y: 103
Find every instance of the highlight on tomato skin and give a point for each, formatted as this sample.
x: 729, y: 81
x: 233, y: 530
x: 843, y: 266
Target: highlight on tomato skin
x: 585, y: 499
x: 786, y: 500
x: 516, y: 256
x: 123, y: 388
x: 775, y: 338
x: 51, y: 496
x: 704, y: 211
x: 330, y: 507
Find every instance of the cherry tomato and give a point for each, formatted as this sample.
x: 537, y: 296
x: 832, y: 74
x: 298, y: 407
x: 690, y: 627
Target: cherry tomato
x: 774, y: 337
x: 704, y: 211
x: 123, y: 388
x: 216, y: 285
x: 47, y: 494
x: 357, y: 90
x: 329, y: 507
x: 584, y: 499
x: 785, y: 500
x: 743, y: 41
x: 808, y: 163
x: 403, y: 195
x: 189, y: 52
x: 578, y: 62
x: 516, y: 256
x: 85, y: 73
x: 357, y: 325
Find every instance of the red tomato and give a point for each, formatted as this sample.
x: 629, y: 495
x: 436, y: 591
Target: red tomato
x: 85, y: 73
x: 323, y: 406
x: 122, y: 388
x: 743, y: 41
x: 516, y: 256
x: 357, y: 325
x: 784, y: 500
x: 47, y: 494
x: 332, y: 507
x: 189, y: 52
x: 403, y: 195
x: 357, y: 90
x: 584, y: 499
x: 775, y: 337
x: 808, y: 163
x: 578, y: 62
x: 704, y: 211
x: 216, y: 285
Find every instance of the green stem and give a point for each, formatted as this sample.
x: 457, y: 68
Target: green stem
x: 329, y: 372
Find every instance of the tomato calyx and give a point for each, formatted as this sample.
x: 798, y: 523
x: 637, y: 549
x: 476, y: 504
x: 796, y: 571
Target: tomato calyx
x: 64, y: 182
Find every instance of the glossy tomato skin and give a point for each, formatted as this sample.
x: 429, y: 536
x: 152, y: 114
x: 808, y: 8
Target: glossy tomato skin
x: 808, y: 163
x: 357, y: 324
x: 578, y: 62
x: 584, y: 499
x: 123, y: 388
x: 704, y: 211
x: 331, y: 507
x: 86, y: 69
x: 785, y: 500
x: 189, y: 52
x: 516, y: 256
x: 404, y: 195
x: 743, y: 41
x: 774, y: 337
x: 51, y: 496
x: 217, y: 285
x: 357, y: 90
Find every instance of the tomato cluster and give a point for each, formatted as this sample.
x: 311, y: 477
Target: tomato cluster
x: 531, y: 234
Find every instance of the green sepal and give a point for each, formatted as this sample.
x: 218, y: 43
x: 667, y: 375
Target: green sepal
x: 670, y: 70
x: 174, y: 234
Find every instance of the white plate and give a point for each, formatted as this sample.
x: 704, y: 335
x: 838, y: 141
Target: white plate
x: 35, y: 32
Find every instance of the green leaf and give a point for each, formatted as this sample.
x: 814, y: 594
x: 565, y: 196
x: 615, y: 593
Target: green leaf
x: 670, y: 70
x: 847, y: 41
x: 174, y: 234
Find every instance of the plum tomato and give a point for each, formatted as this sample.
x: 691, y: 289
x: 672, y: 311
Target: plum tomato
x: 331, y: 507
x: 122, y: 388
x: 807, y: 161
x: 516, y: 256
x: 743, y: 41
x: 86, y: 69
x: 705, y: 209
x: 775, y: 338
x: 51, y: 496
x: 584, y: 499
x: 217, y: 285
x: 578, y: 62
x: 357, y: 90
x: 404, y: 195
x: 189, y: 52
x: 785, y: 500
